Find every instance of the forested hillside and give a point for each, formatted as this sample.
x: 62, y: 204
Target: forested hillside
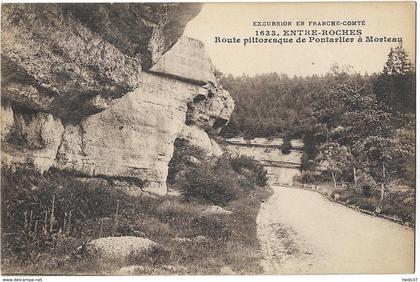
x: 361, y: 128
x: 268, y: 104
x: 275, y: 104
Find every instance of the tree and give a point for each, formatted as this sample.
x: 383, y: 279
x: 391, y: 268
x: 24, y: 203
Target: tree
x: 337, y: 159
x: 356, y: 135
x: 381, y: 155
x: 360, y: 126
x: 406, y: 138
x: 396, y: 85
x: 267, y: 105
x: 398, y: 62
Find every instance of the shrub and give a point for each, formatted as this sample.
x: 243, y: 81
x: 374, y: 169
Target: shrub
x: 286, y: 147
x: 400, y: 202
x: 307, y: 177
x: 250, y: 168
x: 367, y: 203
x: 211, y: 184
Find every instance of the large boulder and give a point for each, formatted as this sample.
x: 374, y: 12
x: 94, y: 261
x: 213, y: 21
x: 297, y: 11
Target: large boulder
x: 119, y: 248
x: 187, y: 60
x: 197, y: 137
x: 216, y: 210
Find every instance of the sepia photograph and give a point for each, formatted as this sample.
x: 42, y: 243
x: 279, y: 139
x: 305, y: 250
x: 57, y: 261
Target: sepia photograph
x: 181, y: 138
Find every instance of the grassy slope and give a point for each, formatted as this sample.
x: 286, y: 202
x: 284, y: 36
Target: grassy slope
x: 230, y: 240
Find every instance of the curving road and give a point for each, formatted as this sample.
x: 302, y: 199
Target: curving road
x: 303, y: 233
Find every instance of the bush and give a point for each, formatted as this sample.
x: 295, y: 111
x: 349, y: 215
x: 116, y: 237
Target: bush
x: 368, y: 203
x: 286, y: 147
x: 401, y: 203
x: 308, y: 177
x: 211, y: 184
x: 216, y: 181
x: 250, y: 168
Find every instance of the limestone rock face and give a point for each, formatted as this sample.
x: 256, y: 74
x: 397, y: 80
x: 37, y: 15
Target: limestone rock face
x: 211, y: 109
x: 145, y: 30
x: 36, y: 138
x: 75, y: 97
x: 187, y: 60
x: 57, y: 57
x: 133, y: 138
x: 7, y: 120
x: 197, y: 137
x: 215, y: 148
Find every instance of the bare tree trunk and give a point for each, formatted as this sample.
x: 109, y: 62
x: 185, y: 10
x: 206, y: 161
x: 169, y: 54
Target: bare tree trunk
x: 333, y: 177
x: 379, y: 208
x: 328, y: 136
x: 382, y: 193
x: 383, y: 183
x: 354, y: 175
x: 52, y: 214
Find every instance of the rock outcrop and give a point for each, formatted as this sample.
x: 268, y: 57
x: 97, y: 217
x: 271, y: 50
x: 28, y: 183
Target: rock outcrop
x: 88, y: 89
x: 187, y: 60
x: 7, y: 120
x: 197, y: 137
x: 60, y: 57
x: 133, y: 138
x: 119, y: 248
x: 144, y: 30
x: 211, y: 109
x: 216, y: 210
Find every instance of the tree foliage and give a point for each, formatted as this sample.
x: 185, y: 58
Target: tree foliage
x: 396, y: 85
x: 360, y: 127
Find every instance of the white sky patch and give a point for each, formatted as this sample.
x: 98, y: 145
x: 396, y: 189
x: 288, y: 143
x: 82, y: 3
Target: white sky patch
x: 392, y: 19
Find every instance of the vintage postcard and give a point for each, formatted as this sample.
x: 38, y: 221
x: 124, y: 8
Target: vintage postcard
x: 208, y: 138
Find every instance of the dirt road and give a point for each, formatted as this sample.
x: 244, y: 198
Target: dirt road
x: 303, y: 233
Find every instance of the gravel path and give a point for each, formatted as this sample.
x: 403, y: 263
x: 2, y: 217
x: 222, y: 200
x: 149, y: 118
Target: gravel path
x: 303, y: 233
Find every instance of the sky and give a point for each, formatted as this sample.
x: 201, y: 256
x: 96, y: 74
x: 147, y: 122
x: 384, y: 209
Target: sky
x: 227, y: 20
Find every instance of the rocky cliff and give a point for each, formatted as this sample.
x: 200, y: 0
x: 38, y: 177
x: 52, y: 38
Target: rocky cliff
x: 103, y: 90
